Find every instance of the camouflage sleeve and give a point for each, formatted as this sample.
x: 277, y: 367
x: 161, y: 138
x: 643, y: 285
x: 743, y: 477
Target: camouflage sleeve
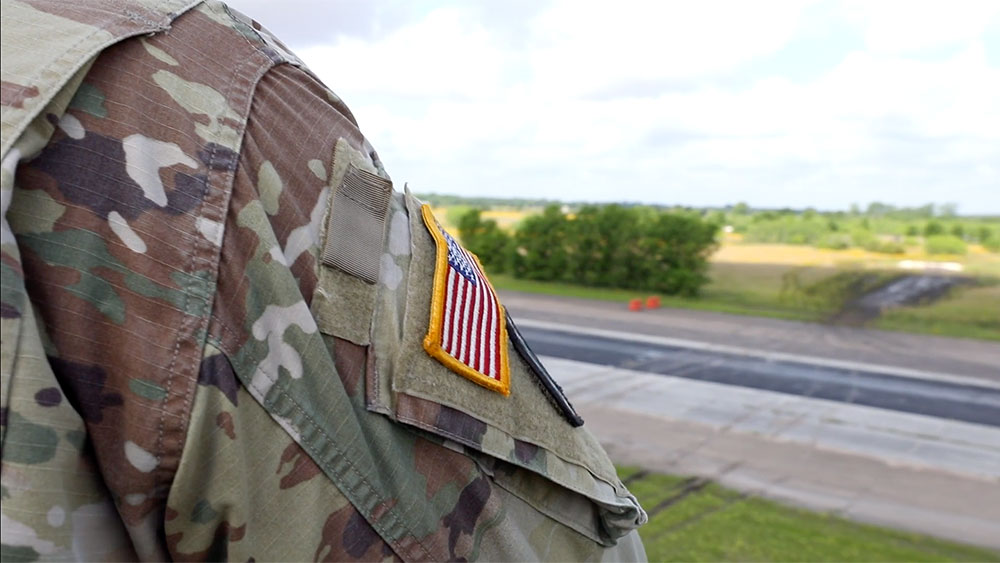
x: 224, y: 346
x: 336, y: 359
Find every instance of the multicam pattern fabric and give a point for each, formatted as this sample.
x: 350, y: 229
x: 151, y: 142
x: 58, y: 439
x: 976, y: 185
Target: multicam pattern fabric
x: 177, y: 382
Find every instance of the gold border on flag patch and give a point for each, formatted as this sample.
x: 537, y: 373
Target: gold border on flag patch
x: 468, y: 328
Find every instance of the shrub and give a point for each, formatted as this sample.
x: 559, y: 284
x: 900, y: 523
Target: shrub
x: 863, y: 238
x: 872, y: 243
x: 886, y: 247
x: 944, y: 244
x: 836, y: 241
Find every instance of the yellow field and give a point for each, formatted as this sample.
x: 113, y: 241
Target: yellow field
x: 506, y: 220
x: 977, y: 262
x: 790, y: 255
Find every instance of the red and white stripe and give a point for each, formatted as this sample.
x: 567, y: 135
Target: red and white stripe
x: 471, y: 321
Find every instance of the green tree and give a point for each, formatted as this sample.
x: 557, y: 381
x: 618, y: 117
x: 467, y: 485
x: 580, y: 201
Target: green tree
x: 616, y: 246
x: 486, y: 240
x: 540, y: 246
x: 877, y: 209
x: 675, y: 252
x: 605, y: 245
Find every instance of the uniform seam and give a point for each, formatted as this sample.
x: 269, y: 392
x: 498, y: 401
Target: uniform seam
x: 372, y: 491
x: 188, y: 332
x: 223, y: 325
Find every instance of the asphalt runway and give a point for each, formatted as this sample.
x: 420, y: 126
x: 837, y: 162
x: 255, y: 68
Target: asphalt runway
x: 974, y: 359
x: 931, y: 397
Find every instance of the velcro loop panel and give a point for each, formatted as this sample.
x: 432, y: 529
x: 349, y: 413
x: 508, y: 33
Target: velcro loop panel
x: 357, y: 223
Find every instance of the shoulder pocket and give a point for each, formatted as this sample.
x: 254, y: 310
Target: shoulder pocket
x: 523, y: 429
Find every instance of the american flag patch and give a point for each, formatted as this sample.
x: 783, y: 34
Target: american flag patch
x: 468, y: 329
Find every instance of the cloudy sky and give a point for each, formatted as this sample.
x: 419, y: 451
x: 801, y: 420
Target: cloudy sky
x: 779, y: 104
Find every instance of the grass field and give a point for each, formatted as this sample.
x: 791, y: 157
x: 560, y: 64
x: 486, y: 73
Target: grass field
x: 695, y: 520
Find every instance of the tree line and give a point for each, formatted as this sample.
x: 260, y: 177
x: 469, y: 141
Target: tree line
x: 639, y: 248
x: 889, y: 234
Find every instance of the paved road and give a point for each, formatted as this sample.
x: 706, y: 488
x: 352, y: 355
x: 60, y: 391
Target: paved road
x: 928, y: 396
x: 970, y: 358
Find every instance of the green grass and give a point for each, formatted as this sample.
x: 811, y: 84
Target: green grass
x: 713, y: 523
x: 742, y: 289
x: 760, y: 290
x: 712, y: 299
x: 970, y: 312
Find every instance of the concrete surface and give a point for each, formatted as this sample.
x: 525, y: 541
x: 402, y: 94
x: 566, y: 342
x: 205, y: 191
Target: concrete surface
x: 902, y: 470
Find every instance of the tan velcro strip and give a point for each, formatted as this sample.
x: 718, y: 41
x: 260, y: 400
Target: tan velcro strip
x: 357, y: 223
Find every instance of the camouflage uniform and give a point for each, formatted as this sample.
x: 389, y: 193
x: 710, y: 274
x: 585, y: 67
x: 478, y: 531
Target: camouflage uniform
x: 190, y: 373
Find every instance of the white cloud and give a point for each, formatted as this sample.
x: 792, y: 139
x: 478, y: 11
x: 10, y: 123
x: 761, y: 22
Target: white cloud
x: 635, y: 103
x: 591, y: 48
x: 445, y: 55
x: 896, y: 26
